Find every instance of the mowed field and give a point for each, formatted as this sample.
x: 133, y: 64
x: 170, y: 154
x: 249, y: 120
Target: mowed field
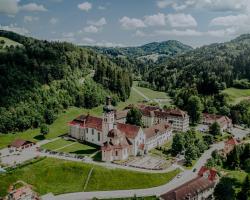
x: 66, y: 146
x: 60, y: 176
x: 236, y: 95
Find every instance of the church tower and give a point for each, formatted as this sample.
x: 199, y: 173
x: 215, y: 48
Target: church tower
x: 108, y: 118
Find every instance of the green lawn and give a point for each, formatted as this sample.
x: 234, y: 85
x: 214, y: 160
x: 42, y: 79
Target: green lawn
x: 59, y: 127
x: 151, y: 94
x: 9, y: 42
x: 78, y: 148
x: 60, y: 176
x: 237, y: 95
x: 62, y: 145
x: 133, y: 99
x: 56, y: 144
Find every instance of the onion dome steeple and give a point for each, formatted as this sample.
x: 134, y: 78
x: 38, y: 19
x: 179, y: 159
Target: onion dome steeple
x: 108, y: 107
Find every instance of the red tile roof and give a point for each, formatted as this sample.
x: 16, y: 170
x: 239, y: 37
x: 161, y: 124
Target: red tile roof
x: 212, y: 173
x: 189, y: 190
x: 88, y: 121
x: 131, y: 131
x: 211, y: 118
x: 176, y: 112
x: 151, y: 111
x: 157, y: 129
x: 20, y: 142
x: 232, y: 141
x: 21, y: 192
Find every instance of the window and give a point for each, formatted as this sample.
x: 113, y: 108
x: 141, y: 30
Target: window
x: 99, y: 136
x: 116, y: 153
x: 93, y: 131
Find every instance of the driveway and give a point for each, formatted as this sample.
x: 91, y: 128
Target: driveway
x: 239, y: 133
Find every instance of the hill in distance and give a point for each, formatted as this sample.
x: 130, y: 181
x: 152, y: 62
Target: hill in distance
x: 208, y: 69
x: 150, y: 51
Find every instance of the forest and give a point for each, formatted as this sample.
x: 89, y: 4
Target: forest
x: 40, y: 79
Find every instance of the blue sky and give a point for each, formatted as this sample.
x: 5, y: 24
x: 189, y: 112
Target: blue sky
x: 127, y: 22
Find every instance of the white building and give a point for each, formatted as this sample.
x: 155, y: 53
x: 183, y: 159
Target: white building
x: 152, y: 115
x: 157, y: 135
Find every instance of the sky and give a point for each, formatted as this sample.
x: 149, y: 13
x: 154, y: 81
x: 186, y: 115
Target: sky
x: 127, y: 22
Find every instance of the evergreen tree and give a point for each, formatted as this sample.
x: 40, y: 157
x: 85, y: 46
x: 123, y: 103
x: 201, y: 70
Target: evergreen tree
x: 194, y: 108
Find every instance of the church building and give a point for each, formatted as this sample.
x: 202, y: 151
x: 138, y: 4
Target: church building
x: 117, y: 140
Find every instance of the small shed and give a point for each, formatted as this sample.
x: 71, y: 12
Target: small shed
x: 21, y: 144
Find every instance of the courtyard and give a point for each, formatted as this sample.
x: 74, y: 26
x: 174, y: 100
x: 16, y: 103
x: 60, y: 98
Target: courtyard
x: 148, y: 162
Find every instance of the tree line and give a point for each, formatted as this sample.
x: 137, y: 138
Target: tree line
x: 39, y: 79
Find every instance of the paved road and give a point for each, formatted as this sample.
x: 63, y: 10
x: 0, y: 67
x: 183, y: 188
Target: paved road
x: 186, y: 176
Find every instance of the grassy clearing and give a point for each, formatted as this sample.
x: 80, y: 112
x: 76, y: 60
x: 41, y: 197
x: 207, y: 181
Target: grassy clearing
x: 236, y: 95
x: 65, y: 146
x: 59, y: 176
x: 78, y: 148
x: 151, y: 94
x: 107, y: 179
x: 59, y: 127
x: 9, y: 42
x: 56, y: 144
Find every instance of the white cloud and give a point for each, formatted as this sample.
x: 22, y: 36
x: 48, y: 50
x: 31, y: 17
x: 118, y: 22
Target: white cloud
x: 101, y: 7
x: 108, y: 44
x: 235, y: 25
x: 174, y: 32
x: 230, y: 20
x: 32, y: 7
x: 53, y: 20
x: 131, y: 23
x: 101, y: 22
x: 181, y: 20
x: 28, y: 19
x: 213, y: 5
x: 139, y: 33
x: 155, y: 20
x: 91, y: 29
x: 163, y: 3
x: 87, y: 40
x: 15, y: 28
x: 9, y: 7
x: 173, y: 20
x: 68, y: 35
x: 86, y: 6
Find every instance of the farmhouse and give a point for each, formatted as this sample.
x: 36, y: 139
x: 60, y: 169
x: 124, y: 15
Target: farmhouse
x: 116, y: 139
x: 224, y: 122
